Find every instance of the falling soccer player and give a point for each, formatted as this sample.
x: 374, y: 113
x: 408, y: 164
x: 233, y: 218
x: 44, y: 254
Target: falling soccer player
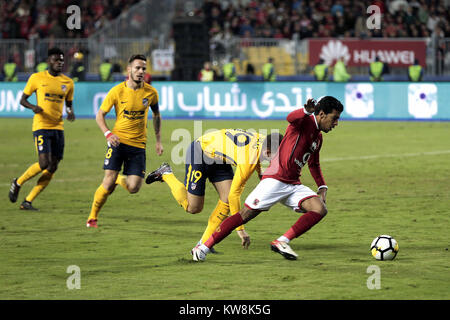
x: 281, y: 181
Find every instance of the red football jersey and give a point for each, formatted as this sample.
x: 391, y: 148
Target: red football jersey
x: 301, y: 144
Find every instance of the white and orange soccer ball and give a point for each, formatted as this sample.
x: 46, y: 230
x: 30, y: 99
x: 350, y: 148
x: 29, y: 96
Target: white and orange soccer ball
x: 384, y: 247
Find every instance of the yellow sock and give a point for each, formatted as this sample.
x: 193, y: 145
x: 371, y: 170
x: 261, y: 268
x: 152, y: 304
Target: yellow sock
x: 100, y: 196
x: 43, y: 181
x: 178, y: 189
x: 215, y: 219
x: 122, y: 180
x: 33, y: 170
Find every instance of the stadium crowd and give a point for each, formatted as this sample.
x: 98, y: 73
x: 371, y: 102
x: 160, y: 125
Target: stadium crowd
x: 324, y: 18
x: 31, y: 19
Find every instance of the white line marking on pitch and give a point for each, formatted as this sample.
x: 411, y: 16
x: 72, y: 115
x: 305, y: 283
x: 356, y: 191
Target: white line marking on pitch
x: 375, y: 156
x: 378, y: 156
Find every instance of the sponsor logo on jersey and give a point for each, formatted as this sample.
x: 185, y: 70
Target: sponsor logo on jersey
x: 314, y: 146
x: 133, y: 115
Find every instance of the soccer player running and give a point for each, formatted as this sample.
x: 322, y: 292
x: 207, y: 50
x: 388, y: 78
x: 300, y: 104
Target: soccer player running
x: 127, y: 140
x: 212, y: 156
x: 281, y: 180
x: 52, y: 89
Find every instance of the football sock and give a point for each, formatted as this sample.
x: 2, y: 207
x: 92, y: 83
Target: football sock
x: 122, y: 180
x: 100, y: 196
x: 177, y: 188
x: 283, y: 239
x: 43, y: 182
x: 33, y: 170
x: 215, y: 219
x: 303, y: 224
x: 225, y: 228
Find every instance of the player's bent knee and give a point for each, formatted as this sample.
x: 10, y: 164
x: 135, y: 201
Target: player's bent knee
x: 323, y: 211
x: 134, y: 189
x: 248, y: 214
x: 194, y: 209
x: 316, y: 205
x: 52, y: 167
x: 43, y: 164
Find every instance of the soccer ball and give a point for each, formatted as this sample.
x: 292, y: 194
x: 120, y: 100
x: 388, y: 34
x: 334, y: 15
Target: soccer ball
x: 384, y: 247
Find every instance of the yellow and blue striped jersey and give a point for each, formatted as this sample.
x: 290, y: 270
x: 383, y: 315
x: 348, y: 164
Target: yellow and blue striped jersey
x: 239, y: 148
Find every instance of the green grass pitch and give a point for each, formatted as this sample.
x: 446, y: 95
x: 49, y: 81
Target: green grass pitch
x: 383, y: 177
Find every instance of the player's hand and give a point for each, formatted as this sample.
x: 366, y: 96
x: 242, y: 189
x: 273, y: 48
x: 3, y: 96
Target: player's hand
x: 310, y: 105
x: 245, y: 238
x: 113, y: 140
x: 37, y: 109
x: 159, y: 148
x: 323, y: 194
x: 70, y: 116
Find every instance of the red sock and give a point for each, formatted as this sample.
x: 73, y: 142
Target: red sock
x: 303, y: 224
x: 226, y: 227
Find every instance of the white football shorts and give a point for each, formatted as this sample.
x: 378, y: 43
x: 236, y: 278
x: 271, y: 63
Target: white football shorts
x: 271, y: 191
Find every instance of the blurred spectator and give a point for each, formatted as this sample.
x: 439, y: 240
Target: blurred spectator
x: 415, y: 72
x: 105, y: 71
x: 340, y: 73
x: 229, y: 71
x: 268, y: 70
x: 10, y: 70
x: 321, y: 71
x: 250, y: 69
x: 26, y: 18
x: 78, y: 72
x: 207, y: 73
x: 324, y: 18
x: 376, y: 70
x: 42, y: 66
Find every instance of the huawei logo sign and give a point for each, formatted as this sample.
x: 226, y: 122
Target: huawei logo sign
x: 334, y: 50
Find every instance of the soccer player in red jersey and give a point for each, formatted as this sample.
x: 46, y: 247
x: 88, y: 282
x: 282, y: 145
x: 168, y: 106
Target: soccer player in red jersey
x: 281, y: 181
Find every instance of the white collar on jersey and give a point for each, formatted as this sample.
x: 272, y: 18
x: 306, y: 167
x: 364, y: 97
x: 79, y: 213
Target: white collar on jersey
x: 315, y: 120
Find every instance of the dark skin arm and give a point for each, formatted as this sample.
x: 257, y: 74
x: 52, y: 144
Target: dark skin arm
x: 157, y: 126
x: 24, y: 101
x: 36, y: 109
x: 69, y: 110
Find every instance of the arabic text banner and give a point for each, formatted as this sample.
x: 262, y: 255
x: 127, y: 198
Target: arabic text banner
x: 263, y: 100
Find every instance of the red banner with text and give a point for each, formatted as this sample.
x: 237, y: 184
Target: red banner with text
x: 398, y: 53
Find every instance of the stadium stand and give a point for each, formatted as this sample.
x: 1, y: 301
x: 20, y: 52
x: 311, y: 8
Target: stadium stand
x: 325, y: 18
x: 28, y: 19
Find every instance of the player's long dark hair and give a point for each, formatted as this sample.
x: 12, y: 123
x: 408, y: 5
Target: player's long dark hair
x: 327, y: 104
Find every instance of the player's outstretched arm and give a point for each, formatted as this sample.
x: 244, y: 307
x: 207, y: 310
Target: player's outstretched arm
x: 245, y: 238
x: 24, y: 101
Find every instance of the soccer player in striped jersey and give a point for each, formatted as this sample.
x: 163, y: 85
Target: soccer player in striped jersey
x: 211, y: 157
x: 281, y: 181
x: 53, y: 89
x: 127, y: 140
